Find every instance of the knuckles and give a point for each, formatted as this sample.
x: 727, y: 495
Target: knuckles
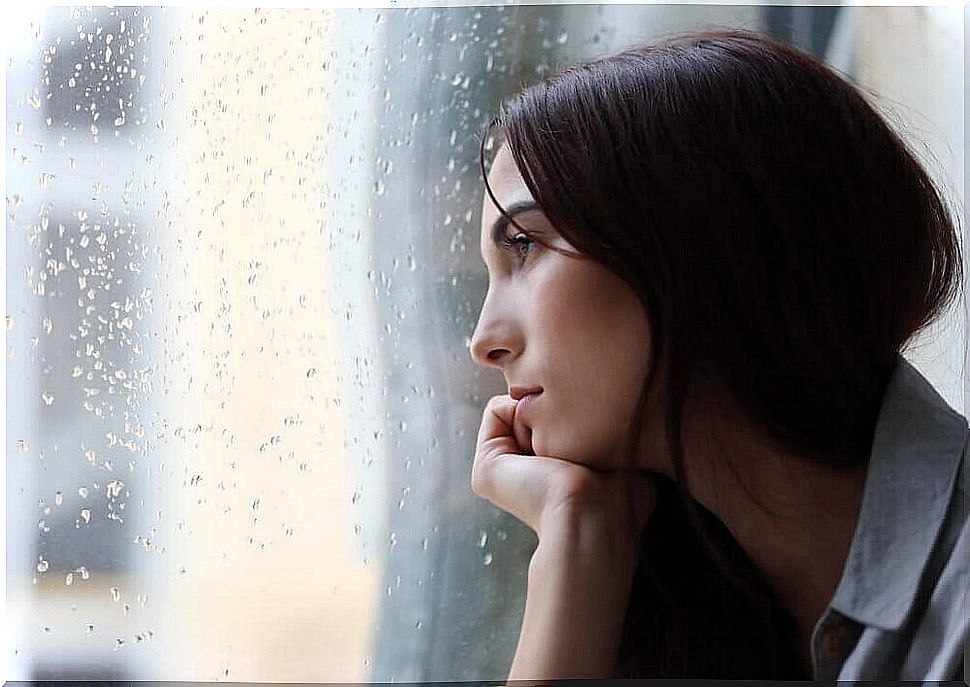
x: 481, y: 474
x: 497, y: 402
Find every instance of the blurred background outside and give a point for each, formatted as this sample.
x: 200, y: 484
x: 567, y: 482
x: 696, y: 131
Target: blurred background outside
x: 242, y: 271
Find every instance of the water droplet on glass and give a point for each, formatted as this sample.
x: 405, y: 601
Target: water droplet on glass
x: 483, y: 539
x: 69, y: 580
x: 115, y: 594
x: 89, y: 629
x: 562, y: 37
x: 488, y: 559
x: 58, y: 498
x: 82, y: 492
x: 86, y: 515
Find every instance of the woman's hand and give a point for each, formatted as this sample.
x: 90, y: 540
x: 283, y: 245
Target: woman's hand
x: 589, y: 524
x: 544, y: 492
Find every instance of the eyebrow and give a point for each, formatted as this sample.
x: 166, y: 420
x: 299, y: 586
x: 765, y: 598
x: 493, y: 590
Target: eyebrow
x: 500, y: 225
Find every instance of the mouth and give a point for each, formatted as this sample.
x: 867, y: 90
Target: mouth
x: 520, y: 392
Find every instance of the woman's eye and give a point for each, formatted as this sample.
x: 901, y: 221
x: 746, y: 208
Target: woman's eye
x: 520, y: 244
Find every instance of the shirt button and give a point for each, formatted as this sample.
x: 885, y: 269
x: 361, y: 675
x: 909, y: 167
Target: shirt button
x: 837, y: 640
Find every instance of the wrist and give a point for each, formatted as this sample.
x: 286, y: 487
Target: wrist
x: 588, y: 536
x: 588, y: 564
x: 576, y: 605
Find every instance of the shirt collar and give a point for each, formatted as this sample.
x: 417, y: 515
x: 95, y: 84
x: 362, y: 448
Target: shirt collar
x: 916, y: 452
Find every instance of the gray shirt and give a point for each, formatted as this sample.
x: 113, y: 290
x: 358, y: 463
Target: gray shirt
x: 900, y: 611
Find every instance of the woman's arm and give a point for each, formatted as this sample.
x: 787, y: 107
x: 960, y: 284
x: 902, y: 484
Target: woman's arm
x: 578, y: 589
x: 589, y: 524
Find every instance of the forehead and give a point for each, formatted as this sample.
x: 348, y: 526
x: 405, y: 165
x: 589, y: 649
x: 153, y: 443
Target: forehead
x: 505, y: 181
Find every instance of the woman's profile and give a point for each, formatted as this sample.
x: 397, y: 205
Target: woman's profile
x: 705, y: 257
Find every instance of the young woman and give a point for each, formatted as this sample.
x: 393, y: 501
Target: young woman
x: 704, y: 258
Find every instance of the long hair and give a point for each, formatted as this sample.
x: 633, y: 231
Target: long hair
x: 785, y: 245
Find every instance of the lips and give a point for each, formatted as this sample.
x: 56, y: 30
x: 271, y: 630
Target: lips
x: 520, y: 392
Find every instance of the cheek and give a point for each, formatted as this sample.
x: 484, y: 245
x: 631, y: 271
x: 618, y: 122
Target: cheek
x: 600, y: 349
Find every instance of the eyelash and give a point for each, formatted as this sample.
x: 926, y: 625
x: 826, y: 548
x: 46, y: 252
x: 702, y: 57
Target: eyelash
x: 511, y: 242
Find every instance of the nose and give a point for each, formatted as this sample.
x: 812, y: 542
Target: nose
x: 495, y: 339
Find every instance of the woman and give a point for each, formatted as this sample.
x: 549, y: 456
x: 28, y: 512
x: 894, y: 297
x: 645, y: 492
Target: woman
x: 704, y: 257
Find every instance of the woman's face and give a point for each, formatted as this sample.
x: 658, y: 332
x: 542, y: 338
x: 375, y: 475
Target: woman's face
x: 567, y: 325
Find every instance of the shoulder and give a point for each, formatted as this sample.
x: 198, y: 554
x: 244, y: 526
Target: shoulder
x: 906, y: 581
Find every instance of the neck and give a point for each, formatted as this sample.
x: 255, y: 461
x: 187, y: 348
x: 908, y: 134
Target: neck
x: 799, y: 536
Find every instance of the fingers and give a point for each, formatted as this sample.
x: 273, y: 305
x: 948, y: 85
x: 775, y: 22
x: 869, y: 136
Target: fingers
x: 523, y: 437
x: 495, y: 435
x: 527, y: 486
x: 515, y: 483
x: 500, y: 473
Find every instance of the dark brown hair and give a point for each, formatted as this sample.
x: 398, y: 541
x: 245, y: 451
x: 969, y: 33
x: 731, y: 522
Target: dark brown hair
x: 785, y: 244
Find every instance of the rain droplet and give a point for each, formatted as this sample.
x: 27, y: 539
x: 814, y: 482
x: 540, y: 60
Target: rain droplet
x: 483, y: 539
x: 86, y: 515
x: 488, y: 559
x: 69, y: 580
x: 89, y: 629
x: 58, y: 498
x: 82, y: 492
x: 115, y: 594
